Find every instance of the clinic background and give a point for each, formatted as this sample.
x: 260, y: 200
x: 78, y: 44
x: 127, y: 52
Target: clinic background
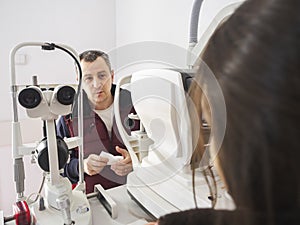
x: 81, y: 24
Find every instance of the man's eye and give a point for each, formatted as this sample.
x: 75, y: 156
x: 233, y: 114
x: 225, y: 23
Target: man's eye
x: 88, y: 78
x: 102, y: 76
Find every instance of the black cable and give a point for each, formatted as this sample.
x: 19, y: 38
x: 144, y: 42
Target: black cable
x: 52, y: 46
x: 44, y: 129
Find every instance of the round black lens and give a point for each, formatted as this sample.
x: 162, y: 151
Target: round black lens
x: 29, y: 98
x: 65, y: 95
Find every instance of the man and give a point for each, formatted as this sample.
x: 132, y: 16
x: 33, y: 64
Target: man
x: 99, y: 127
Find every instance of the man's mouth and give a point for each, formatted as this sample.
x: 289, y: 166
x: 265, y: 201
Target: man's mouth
x: 98, y: 92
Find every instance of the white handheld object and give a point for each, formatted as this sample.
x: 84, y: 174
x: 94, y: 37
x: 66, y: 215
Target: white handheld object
x: 112, y: 159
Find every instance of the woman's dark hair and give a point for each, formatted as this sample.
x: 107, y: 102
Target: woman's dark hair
x: 255, y: 55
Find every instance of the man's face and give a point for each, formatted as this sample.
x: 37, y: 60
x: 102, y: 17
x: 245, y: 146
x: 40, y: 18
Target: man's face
x: 96, y: 81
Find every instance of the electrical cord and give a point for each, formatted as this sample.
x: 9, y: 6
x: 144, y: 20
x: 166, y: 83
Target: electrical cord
x: 38, y: 194
x: 52, y: 46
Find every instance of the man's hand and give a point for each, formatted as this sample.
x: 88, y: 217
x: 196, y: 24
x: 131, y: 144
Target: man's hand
x: 94, y: 164
x: 123, y: 167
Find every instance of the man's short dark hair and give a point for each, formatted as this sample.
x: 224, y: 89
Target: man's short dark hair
x: 92, y: 55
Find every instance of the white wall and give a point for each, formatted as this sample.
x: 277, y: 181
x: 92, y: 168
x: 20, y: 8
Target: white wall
x: 156, y: 20
x: 157, y: 30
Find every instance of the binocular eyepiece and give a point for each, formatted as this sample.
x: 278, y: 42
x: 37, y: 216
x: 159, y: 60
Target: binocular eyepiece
x: 65, y: 95
x: 31, y: 97
x: 40, y: 103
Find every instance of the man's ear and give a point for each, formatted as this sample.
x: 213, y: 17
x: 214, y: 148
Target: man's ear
x: 112, y: 73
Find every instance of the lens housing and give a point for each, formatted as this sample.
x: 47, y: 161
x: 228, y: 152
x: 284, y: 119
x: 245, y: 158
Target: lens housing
x: 65, y: 95
x: 29, y: 98
x: 43, y: 157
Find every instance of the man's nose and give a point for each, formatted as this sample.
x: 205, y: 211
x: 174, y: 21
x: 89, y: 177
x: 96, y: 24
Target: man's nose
x: 97, y: 83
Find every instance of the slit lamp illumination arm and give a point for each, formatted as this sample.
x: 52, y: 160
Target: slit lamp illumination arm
x: 19, y: 174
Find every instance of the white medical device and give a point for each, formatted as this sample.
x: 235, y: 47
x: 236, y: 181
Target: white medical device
x: 62, y: 204
x: 161, y: 150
